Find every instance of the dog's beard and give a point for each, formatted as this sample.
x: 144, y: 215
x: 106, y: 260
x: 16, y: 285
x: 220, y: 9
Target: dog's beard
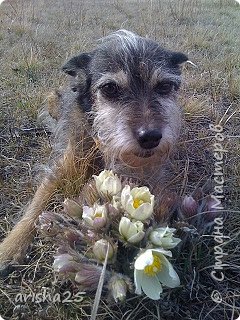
x: 134, y: 157
x: 146, y: 158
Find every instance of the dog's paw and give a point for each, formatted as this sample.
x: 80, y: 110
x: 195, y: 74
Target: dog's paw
x: 9, y: 259
x: 7, y: 267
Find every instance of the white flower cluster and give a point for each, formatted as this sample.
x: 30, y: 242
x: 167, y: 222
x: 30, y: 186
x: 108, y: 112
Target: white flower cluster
x: 126, y: 215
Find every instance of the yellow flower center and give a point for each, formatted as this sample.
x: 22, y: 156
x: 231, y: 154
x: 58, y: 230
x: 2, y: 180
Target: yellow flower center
x: 98, y: 215
x: 137, y: 202
x: 153, y: 268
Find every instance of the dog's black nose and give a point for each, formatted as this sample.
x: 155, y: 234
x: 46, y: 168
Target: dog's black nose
x: 149, y: 139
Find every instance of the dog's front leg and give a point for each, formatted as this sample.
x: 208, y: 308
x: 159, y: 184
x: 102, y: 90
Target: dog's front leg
x: 14, y: 246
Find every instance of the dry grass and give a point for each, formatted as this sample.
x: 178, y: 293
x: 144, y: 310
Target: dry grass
x: 36, y: 38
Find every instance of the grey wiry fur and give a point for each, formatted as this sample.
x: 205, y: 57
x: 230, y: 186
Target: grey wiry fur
x: 123, y: 96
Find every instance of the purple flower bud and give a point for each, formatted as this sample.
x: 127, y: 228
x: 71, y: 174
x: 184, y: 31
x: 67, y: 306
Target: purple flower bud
x: 72, y: 208
x: 167, y: 204
x: 65, y: 264
x: 88, y: 276
x: 48, y: 224
x: 72, y: 236
x: 189, y: 206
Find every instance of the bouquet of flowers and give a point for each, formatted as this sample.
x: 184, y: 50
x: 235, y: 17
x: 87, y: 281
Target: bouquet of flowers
x: 112, y: 224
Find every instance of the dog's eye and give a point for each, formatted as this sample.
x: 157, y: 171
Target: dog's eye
x: 164, y: 87
x: 111, y: 90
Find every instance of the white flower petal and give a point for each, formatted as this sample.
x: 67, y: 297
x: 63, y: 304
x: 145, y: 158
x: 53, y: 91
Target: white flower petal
x: 142, y: 193
x: 162, y: 251
x: 132, y: 230
x: 143, y: 212
x: 152, y: 287
x: 124, y: 226
x: 137, y: 237
x: 168, y: 243
x: 144, y: 260
x: 116, y: 202
x: 87, y: 212
x: 125, y: 196
x: 122, y: 223
x: 168, y: 275
x: 138, y: 274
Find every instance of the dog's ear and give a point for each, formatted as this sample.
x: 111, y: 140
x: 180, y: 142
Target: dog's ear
x: 178, y: 58
x: 76, y: 64
x: 78, y: 68
x: 80, y: 81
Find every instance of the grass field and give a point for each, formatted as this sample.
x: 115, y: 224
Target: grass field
x: 36, y: 38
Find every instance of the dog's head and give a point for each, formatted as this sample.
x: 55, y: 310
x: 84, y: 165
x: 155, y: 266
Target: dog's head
x: 128, y: 89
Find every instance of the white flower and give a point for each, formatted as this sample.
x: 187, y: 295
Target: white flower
x: 152, y: 270
x: 131, y: 231
x: 163, y: 237
x: 138, y: 202
x: 100, y: 249
x: 108, y: 183
x: 95, y: 216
